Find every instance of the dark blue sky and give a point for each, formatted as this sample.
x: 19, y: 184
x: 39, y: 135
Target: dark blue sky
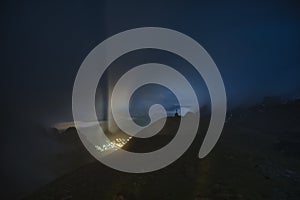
x: 256, y: 46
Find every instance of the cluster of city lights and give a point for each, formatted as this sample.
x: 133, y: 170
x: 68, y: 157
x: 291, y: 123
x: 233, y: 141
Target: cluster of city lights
x: 113, y: 145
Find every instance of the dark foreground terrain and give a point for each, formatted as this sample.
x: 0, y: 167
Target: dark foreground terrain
x: 257, y: 157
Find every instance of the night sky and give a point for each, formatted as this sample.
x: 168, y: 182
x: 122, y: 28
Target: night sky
x: 255, y: 45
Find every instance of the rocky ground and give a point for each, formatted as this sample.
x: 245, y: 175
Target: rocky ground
x: 257, y: 157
